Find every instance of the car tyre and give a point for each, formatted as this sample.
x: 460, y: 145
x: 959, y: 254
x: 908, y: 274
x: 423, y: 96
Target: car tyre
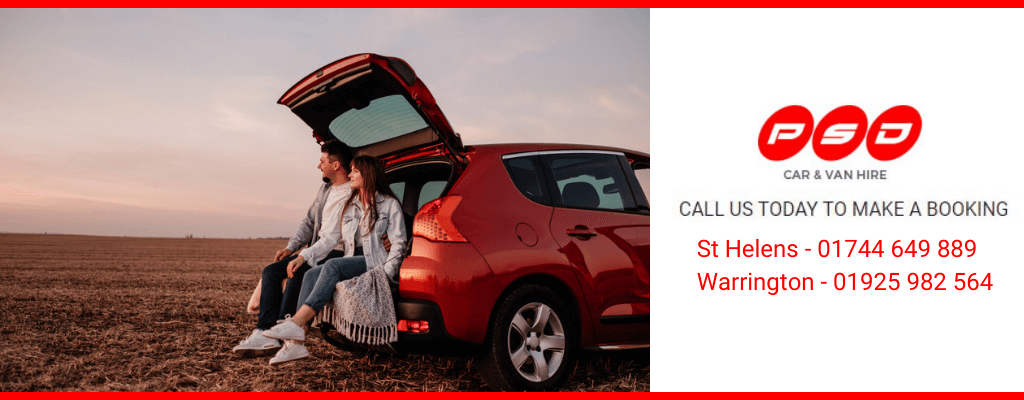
x: 532, y: 342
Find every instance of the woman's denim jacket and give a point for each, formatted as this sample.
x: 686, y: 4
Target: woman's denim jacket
x: 390, y: 220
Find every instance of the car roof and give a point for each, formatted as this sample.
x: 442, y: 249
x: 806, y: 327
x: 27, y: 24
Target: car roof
x: 511, y: 148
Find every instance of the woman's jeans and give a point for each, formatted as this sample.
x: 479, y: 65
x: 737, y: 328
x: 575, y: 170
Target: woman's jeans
x: 274, y: 304
x: 319, y: 284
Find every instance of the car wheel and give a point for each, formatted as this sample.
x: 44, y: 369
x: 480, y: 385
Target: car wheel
x: 532, y: 344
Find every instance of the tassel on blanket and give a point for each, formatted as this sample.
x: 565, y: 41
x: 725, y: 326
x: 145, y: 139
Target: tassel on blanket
x: 364, y: 310
x: 375, y: 336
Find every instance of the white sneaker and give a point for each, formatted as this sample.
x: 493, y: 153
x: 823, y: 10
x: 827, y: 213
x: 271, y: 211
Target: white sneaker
x: 256, y: 342
x: 286, y: 330
x: 291, y: 351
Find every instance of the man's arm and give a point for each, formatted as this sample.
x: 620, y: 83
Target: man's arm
x: 316, y: 252
x: 313, y: 254
x: 304, y: 233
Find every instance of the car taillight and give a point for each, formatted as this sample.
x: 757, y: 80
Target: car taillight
x: 434, y: 221
x: 413, y: 326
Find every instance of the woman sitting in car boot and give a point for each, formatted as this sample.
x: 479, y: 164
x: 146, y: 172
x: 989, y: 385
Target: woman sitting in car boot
x: 363, y: 309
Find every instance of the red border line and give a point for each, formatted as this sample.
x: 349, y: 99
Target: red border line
x: 579, y: 395
x: 516, y: 4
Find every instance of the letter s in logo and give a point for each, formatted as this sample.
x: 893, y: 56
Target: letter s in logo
x: 839, y: 133
x: 785, y: 133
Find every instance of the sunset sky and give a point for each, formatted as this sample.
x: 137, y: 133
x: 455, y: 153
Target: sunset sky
x: 165, y: 123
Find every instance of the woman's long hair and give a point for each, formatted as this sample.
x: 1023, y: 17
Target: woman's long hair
x: 372, y: 171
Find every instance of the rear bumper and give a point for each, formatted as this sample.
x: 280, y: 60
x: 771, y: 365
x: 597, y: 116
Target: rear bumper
x: 436, y: 339
x: 421, y: 310
x: 451, y: 283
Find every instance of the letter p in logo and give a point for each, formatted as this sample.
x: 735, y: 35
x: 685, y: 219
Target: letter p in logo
x: 785, y: 133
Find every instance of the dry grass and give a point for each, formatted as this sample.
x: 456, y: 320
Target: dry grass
x: 141, y: 314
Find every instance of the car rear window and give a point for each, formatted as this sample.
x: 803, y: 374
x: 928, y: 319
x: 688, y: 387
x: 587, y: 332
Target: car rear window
x: 384, y: 118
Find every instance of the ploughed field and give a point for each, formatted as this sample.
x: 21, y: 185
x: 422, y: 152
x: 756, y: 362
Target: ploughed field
x: 157, y: 314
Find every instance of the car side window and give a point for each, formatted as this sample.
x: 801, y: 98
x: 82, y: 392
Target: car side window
x: 640, y: 181
x: 528, y: 177
x: 590, y: 181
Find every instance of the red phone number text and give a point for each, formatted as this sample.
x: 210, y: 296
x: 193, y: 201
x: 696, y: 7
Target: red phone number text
x: 912, y: 281
x: 839, y: 248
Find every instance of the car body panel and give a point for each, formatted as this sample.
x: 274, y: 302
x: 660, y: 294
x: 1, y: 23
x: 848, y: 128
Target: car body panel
x: 458, y: 288
x: 613, y: 268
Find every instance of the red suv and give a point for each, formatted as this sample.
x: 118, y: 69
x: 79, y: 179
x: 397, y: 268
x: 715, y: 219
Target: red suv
x: 527, y: 252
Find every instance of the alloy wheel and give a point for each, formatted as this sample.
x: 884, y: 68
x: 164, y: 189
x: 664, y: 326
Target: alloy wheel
x: 536, y: 342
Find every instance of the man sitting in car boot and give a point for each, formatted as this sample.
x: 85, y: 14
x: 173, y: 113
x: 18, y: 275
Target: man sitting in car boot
x: 320, y: 230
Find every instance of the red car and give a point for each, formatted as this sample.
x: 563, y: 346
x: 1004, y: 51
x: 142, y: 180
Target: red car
x: 526, y: 252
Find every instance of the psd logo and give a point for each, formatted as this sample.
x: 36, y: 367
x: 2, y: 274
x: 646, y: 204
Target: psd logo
x: 839, y: 133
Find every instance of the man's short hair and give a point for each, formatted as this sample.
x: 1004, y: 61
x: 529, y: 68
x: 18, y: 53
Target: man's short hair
x: 338, y: 151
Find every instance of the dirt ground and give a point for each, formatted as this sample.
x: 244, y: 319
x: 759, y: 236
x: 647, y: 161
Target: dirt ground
x: 154, y: 314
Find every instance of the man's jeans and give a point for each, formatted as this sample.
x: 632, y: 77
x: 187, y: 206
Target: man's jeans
x: 275, y: 305
x: 317, y: 292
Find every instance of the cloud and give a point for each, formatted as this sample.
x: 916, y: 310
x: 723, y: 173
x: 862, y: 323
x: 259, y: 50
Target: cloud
x: 391, y: 27
x: 9, y: 190
x: 627, y: 102
x: 246, y: 104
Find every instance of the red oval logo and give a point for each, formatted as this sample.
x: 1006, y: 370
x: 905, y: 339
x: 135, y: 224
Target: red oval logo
x: 785, y: 133
x: 894, y: 132
x: 839, y: 133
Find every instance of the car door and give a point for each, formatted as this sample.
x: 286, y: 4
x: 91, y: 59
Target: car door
x: 603, y: 228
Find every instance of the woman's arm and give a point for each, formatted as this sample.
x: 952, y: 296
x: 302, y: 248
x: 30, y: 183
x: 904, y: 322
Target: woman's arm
x: 396, y: 234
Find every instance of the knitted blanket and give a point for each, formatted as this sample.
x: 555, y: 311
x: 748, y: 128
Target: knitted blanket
x: 363, y: 309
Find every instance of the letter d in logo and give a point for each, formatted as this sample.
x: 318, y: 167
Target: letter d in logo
x: 894, y: 133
